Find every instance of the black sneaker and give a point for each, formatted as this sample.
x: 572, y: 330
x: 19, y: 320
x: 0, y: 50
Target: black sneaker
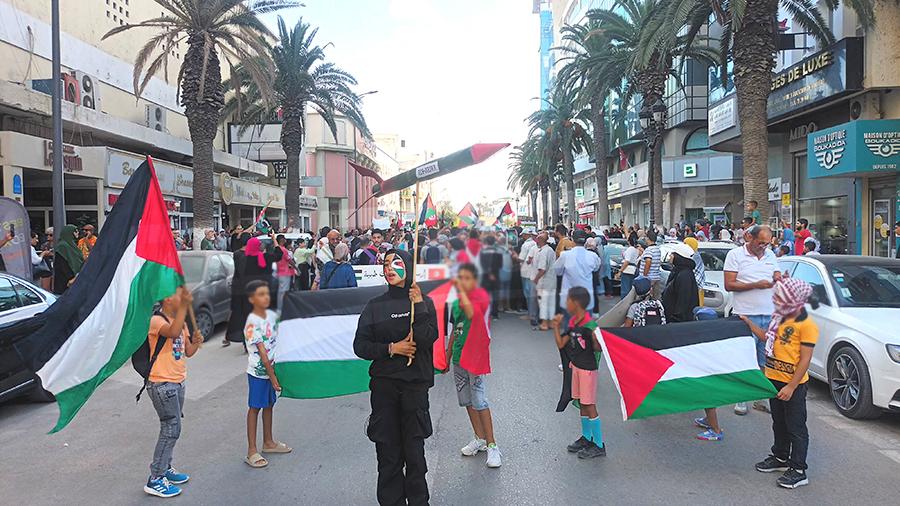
x: 792, y: 478
x: 579, y: 445
x: 772, y: 464
x: 592, y: 451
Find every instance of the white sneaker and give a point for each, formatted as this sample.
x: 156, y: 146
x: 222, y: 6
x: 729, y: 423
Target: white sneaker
x: 493, y: 457
x: 475, y: 446
x: 740, y: 408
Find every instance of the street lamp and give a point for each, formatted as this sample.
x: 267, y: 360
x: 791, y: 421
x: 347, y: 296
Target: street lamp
x: 653, y: 120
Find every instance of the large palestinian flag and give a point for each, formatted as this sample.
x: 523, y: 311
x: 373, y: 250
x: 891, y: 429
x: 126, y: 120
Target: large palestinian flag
x: 468, y: 216
x: 315, y: 357
x: 104, y: 316
x: 680, y: 367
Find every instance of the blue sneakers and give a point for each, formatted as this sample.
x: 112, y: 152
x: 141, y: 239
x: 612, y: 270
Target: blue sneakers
x: 175, y: 477
x: 702, y: 423
x: 711, y: 435
x: 161, y: 487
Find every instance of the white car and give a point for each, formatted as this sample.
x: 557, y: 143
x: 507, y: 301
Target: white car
x: 713, y: 254
x: 858, y: 353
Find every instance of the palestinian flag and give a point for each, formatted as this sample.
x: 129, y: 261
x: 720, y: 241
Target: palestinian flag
x: 468, y: 217
x: 315, y: 356
x: 507, y: 211
x: 428, y: 216
x: 104, y: 316
x: 683, y: 366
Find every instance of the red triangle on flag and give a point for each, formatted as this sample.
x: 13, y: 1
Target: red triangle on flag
x: 154, y: 237
x: 635, y: 369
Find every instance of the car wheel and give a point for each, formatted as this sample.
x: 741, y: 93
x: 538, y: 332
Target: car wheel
x: 851, y: 385
x: 38, y: 394
x: 205, y: 323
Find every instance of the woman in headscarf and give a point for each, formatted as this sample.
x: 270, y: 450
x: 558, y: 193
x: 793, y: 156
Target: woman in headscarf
x: 67, y: 260
x: 337, y: 273
x: 235, y: 331
x: 680, y: 296
x: 400, y: 420
x: 699, y: 268
x: 260, y: 257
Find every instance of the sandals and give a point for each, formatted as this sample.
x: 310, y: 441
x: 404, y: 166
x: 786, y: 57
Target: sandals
x: 279, y: 448
x: 256, y: 461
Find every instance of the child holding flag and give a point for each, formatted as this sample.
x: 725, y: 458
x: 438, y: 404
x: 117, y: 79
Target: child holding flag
x: 469, y: 349
x: 581, y: 347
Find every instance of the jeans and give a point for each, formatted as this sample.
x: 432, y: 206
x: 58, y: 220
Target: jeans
x: 789, y: 426
x: 168, y: 400
x: 626, y: 284
x: 530, y: 294
x: 762, y: 321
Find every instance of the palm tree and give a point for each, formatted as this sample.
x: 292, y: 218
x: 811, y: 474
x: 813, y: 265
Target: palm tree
x: 584, y: 69
x: 230, y: 28
x: 748, y: 39
x: 644, y: 50
x: 527, y: 172
x: 302, y: 77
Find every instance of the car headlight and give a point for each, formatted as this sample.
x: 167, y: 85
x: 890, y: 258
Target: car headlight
x: 894, y: 352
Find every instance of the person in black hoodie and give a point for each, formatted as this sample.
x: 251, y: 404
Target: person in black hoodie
x: 681, y: 294
x: 400, y: 420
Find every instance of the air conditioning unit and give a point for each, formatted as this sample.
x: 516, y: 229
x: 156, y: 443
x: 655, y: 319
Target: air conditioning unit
x: 156, y: 117
x: 866, y: 106
x: 90, y: 90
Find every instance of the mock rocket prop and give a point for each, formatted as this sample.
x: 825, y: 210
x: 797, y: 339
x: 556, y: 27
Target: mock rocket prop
x: 472, y: 155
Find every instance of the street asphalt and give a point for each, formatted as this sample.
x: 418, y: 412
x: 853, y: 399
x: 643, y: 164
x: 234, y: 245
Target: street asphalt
x: 102, y: 457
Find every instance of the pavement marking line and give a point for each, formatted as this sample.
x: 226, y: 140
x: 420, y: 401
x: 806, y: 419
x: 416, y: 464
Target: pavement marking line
x: 861, y: 431
x: 891, y: 454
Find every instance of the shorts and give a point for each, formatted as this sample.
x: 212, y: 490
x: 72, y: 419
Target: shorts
x: 261, y: 393
x: 469, y: 389
x: 584, y: 386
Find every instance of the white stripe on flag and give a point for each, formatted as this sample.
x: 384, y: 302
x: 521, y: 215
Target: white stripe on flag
x: 317, y: 338
x: 91, y: 345
x: 707, y: 359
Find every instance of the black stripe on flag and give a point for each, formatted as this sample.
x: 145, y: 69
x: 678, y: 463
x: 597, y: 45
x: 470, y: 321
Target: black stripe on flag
x: 337, y: 301
x: 70, y: 310
x: 674, y: 335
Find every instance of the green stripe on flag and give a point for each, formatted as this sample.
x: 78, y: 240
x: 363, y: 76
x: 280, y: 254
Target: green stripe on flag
x: 152, y: 283
x: 324, y: 378
x: 686, y: 394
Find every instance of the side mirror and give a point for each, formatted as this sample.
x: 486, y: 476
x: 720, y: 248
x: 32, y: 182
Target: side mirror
x: 819, y: 296
x: 666, y: 266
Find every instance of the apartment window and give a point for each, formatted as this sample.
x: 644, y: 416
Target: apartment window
x: 115, y: 18
x: 107, y: 14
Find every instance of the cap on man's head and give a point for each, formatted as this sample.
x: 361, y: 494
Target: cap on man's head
x: 641, y: 285
x: 580, y: 237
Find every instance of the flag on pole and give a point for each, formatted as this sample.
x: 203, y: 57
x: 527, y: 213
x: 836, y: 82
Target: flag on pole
x: 399, y: 220
x: 683, y: 366
x: 623, y: 159
x: 104, y: 316
x: 468, y: 217
x: 315, y: 340
x: 507, y: 211
x: 262, y: 224
x: 428, y: 216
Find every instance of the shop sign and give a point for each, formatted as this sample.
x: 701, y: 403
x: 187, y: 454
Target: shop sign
x: 633, y: 179
x: 613, y: 186
x: 173, y: 179
x: 17, y: 184
x: 579, y: 193
x: 226, y: 188
x: 309, y: 202
x: 785, y: 199
x: 312, y: 181
x: 827, y: 74
x: 71, y: 159
x: 858, y: 148
x: 246, y: 192
x: 774, y: 189
x: 721, y: 116
x: 800, y: 132
x: 690, y: 170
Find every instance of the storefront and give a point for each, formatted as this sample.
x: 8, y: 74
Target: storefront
x: 242, y: 201
x: 703, y: 185
x: 868, y: 152
x: 629, y: 196
x: 309, y: 206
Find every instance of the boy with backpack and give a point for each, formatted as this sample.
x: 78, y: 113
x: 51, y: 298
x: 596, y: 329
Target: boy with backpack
x: 434, y: 252
x: 645, y: 310
x: 165, y: 386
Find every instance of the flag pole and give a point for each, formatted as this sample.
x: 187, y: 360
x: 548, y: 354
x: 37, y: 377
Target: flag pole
x: 415, y: 255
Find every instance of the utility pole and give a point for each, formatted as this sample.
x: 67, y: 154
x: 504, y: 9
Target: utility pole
x: 59, y: 201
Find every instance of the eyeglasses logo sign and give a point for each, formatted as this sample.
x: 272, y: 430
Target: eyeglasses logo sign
x: 883, y: 144
x: 830, y: 157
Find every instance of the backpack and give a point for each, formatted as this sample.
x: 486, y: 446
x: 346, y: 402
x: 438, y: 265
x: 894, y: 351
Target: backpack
x: 432, y: 254
x: 649, y: 312
x: 143, y: 362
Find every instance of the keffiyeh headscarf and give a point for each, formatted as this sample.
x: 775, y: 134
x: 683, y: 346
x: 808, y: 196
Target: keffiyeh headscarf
x: 790, y: 294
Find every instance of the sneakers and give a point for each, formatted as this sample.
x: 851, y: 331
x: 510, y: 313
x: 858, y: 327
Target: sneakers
x: 772, y: 464
x: 579, y: 445
x: 493, y: 456
x: 175, y: 477
x: 711, y: 435
x: 702, y: 423
x: 592, y: 451
x: 761, y: 406
x: 475, y: 446
x: 161, y: 487
x: 740, y: 408
x: 793, y: 478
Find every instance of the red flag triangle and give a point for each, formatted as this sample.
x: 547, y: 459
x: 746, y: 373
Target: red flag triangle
x: 635, y: 369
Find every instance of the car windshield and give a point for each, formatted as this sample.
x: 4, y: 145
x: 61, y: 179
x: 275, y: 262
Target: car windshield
x: 713, y: 259
x: 867, y: 285
x: 193, y: 268
x: 615, y: 251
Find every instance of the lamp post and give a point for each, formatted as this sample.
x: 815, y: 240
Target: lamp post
x: 653, y: 121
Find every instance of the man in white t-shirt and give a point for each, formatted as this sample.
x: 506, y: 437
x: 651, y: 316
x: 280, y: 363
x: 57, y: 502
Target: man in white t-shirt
x: 750, y: 273
x: 544, y: 280
x: 528, y: 272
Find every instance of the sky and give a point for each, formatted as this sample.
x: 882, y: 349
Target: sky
x: 448, y: 74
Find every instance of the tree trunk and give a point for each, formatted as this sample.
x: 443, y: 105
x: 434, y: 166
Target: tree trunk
x: 754, y: 59
x: 655, y: 167
x: 569, y: 177
x: 554, y: 203
x: 533, y: 196
x: 292, y: 143
x: 202, y: 105
x: 545, y: 210
x: 598, y: 121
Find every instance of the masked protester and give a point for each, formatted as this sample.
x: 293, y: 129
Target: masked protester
x: 681, y: 293
x: 400, y: 420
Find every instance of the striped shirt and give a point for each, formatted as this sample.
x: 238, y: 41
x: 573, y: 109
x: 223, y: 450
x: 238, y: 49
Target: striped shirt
x: 655, y: 255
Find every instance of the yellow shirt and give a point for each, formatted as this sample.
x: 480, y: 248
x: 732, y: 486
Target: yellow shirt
x: 786, y: 351
x: 564, y: 244
x: 170, y: 364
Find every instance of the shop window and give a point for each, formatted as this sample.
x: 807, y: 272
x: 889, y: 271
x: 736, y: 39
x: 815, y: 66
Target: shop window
x: 828, y: 222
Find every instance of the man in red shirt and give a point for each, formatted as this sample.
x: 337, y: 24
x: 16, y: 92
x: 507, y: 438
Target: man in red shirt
x: 802, y: 234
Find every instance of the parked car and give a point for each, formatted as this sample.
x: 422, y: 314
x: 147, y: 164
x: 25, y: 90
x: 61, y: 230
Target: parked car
x: 616, y: 247
x: 20, y: 302
x: 208, y: 275
x: 858, y: 353
x: 713, y: 254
